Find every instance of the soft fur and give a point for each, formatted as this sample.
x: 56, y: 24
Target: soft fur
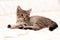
x: 24, y: 21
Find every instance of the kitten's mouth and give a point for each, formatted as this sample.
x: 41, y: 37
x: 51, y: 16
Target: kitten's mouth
x: 24, y: 19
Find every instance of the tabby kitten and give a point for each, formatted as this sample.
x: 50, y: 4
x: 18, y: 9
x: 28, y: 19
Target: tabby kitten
x: 24, y: 21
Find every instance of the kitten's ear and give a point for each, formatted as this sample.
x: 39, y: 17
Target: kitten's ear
x: 28, y: 11
x: 18, y: 9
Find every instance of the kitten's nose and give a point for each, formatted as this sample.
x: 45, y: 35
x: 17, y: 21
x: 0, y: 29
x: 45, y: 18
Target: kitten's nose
x: 9, y: 26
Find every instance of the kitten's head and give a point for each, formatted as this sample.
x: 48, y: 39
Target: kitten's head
x: 23, y: 14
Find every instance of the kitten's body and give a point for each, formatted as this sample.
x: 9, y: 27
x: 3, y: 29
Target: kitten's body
x: 24, y: 21
x: 38, y: 22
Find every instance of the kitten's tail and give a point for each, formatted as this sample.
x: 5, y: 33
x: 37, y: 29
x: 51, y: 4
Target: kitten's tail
x: 53, y: 26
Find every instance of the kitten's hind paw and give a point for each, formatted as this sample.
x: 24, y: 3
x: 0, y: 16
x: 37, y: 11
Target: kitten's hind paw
x: 52, y: 28
x: 9, y: 26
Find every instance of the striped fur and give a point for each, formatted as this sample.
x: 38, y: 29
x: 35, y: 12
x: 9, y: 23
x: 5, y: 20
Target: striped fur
x: 24, y: 21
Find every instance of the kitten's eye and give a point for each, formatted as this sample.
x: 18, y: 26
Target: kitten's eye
x: 21, y: 14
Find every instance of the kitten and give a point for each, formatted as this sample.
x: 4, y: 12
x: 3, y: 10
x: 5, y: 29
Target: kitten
x: 24, y: 21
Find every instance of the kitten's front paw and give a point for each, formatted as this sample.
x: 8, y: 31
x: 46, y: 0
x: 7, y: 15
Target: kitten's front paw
x: 28, y: 28
x: 20, y: 28
x: 9, y: 26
